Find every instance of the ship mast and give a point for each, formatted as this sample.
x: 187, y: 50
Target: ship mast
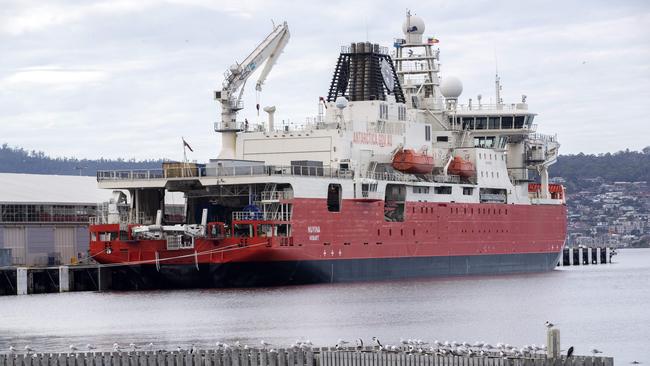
x: 417, y: 65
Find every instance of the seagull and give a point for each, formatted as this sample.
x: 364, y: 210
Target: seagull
x: 150, y: 346
x: 596, y: 351
x: 90, y: 347
x: 569, y: 353
x: 12, y: 349
x: 549, y: 325
x: 73, y: 348
x: 264, y: 344
x: 635, y: 362
x: 359, y: 343
x: 237, y: 344
x: 28, y: 349
x: 376, y: 340
x: 133, y: 346
x: 342, y: 342
x: 116, y: 347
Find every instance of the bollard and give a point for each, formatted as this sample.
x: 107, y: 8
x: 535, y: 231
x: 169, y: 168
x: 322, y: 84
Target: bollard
x: 608, y: 255
x: 570, y: 256
x: 598, y: 259
x: 64, y: 278
x: 589, y: 257
x: 581, y: 259
x: 553, y: 343
x: 21, y: 281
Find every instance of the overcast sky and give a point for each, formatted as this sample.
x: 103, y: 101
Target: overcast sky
x: 129, y: 78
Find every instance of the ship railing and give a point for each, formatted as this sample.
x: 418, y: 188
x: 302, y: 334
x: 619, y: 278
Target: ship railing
x: 276, y: 195
x: 123, y: 218
x: 493, y: 197
x: 540, y: 137
x: 492, y: 107
x: 261, y: 216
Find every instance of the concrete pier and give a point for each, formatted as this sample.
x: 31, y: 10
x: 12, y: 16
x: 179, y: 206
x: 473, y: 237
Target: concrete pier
x: 64, y: 279
x: 37, y: 280
x: 294, y: 357
x: 22, y: 286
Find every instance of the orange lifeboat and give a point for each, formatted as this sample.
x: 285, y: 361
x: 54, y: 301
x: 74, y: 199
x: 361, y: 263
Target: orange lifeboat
x: 412, y: 162
x: 461, y: 167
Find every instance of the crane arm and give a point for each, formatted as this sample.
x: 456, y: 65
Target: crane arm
x: 235, y: 78
x: 268, y: 50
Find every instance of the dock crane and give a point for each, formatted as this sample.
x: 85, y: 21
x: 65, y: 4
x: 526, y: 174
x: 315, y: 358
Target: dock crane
x: 230, y: 95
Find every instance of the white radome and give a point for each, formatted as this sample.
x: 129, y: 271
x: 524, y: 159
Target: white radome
x: 415, y: 21
x: 341, y: 102
x: 451, y: 87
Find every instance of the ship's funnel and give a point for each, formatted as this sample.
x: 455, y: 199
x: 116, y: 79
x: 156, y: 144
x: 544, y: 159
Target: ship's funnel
x: 271, y: 111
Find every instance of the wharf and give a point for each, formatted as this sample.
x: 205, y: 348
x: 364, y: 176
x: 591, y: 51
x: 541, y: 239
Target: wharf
x: 368, y: 356
x: 96, y: 277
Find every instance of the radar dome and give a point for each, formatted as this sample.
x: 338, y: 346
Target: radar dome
x: 451, y: 87
x: 413, y: 25
x: 341, y: 102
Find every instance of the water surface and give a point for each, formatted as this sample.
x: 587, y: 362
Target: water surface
x: 602, y: 306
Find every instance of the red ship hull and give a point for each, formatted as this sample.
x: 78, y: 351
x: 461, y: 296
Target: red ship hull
x: 436, y: 239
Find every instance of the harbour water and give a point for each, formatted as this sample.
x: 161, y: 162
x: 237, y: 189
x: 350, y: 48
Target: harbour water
x: 602, y: 306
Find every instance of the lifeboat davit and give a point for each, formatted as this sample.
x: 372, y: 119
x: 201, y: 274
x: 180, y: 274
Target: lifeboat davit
x: 412, y: 162
x: 461, y: 167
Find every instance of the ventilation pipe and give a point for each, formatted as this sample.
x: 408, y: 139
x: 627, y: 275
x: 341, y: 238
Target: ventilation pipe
x: 271, y: 111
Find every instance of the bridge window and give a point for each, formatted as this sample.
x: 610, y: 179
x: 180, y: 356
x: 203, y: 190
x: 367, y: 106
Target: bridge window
x: 467, y: 191
x: 481, y: 123
x: 506, y: 122
x: 519, y: 121
x: 443, y: 190
x: 468, y: 123
x: 493, y: 123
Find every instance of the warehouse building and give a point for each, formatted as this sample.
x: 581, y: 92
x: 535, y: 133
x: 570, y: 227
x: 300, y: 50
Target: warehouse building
x: 44, y: 218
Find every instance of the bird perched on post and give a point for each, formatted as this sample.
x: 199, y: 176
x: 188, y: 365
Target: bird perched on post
x: 12, y: 349
x: 377, y: 343
x: 596, y: 351
x: 29, y: 349
x: 264, y: 344
x: 359, y: 343
x: 549, y: 325
x: 569, y: 352
x: 90, y: 347
x: 72, y: 348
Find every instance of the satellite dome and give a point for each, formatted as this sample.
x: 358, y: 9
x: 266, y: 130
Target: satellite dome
x: 451, y: 87
x: 413, y: 25
x: 341, y: 102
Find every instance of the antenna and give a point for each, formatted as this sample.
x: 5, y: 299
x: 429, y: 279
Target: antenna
x: 497, y: 80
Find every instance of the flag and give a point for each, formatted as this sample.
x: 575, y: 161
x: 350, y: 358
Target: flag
x: 185, y: 144
x: 432, y: 40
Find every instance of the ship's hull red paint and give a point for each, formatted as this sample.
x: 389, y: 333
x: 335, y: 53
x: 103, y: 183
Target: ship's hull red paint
x: 435, y: 239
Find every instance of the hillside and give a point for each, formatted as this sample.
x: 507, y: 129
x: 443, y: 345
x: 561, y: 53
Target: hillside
x: 626, y: 165
x: 580, y: 169
x: 18, y: 160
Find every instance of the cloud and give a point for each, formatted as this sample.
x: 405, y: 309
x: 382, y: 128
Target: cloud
x: 127, y: 79
x: 54, y: 76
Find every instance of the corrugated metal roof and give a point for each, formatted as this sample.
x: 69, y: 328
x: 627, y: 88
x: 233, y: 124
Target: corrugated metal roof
x: 63, y: 189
